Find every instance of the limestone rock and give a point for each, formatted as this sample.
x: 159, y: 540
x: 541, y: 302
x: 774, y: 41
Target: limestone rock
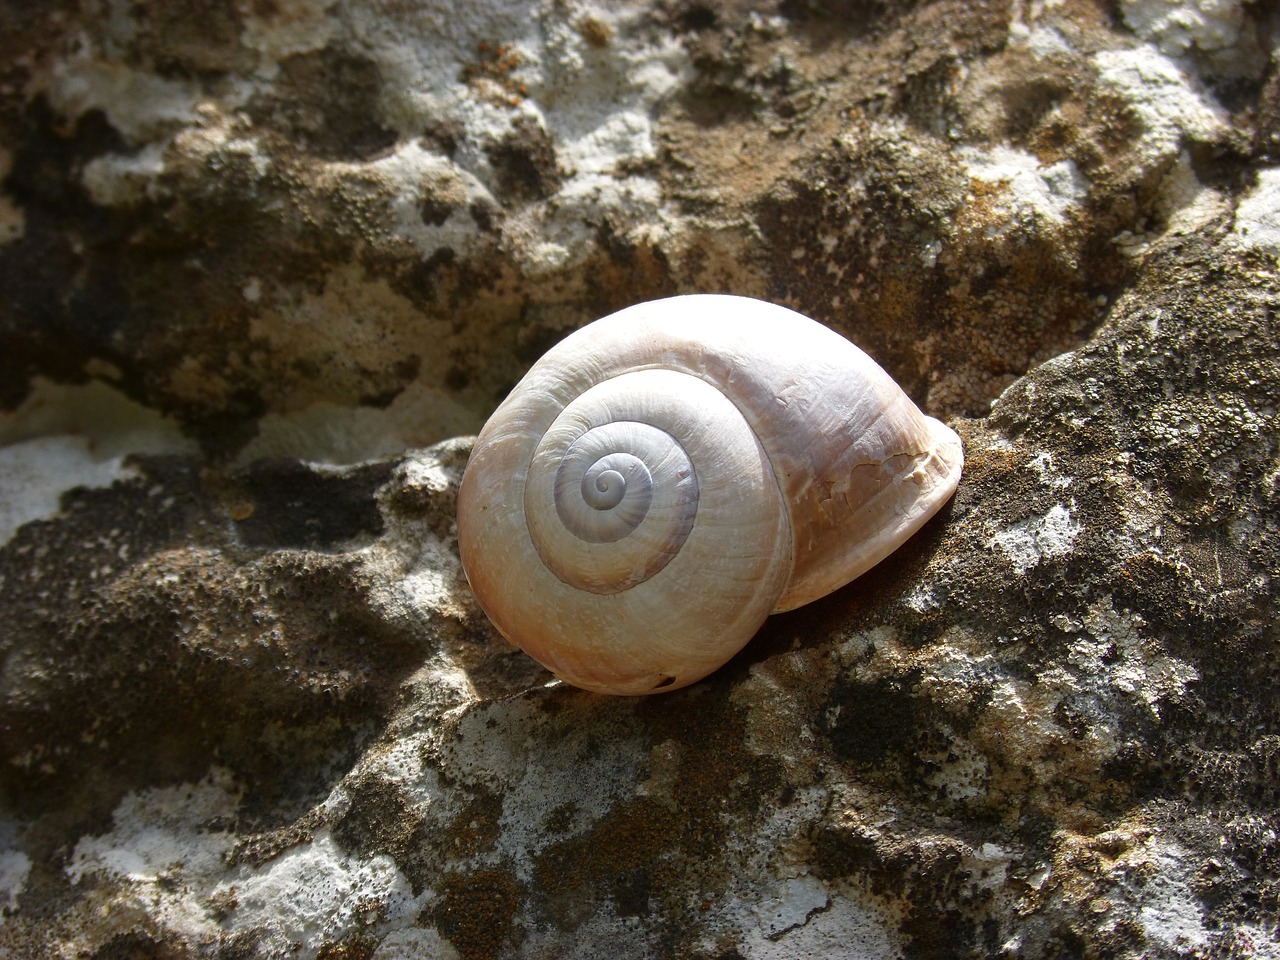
x: 264, y: 263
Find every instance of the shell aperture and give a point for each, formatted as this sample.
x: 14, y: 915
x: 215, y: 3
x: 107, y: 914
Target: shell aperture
x: 665, y: 478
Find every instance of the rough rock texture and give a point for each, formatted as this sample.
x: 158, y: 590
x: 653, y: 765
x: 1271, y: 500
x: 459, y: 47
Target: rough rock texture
x: 257, y: 257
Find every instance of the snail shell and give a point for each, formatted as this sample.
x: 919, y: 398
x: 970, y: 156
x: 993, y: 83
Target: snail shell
x: 665, y: 478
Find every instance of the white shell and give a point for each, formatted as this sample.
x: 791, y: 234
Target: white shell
x: 665, y: 478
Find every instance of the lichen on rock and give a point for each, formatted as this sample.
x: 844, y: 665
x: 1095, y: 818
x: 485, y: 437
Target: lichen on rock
x: 266, y: 266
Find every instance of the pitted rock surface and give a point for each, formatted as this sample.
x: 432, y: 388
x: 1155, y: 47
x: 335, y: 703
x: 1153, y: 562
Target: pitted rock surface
x: 266, y: 266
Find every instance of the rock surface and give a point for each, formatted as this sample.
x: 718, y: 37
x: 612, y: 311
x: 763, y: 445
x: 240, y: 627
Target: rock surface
x: 262, y: 261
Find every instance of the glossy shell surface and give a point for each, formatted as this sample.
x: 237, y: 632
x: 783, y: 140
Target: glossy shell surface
x: 666, y: 477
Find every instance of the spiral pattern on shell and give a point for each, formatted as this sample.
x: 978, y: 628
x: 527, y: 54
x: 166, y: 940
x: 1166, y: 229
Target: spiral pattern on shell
x: 625, y: 490
x: 668, y: 476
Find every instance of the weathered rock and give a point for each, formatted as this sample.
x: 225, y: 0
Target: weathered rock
x: 258, y: 257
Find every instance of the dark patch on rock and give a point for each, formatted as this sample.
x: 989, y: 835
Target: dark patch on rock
x: 845, y: 17
x: 636, y: 861
x: 868, y: 723
x: 422, y: 846
x: 692, y: 16
x: 188, y: 38
x: 152, y: 606
x: 457, y: 378
x: 628, y: 263
x: 475, y: 830
x: 354, y: 947
x: 328, y: 100
x: 49, y: 325
x: 1266, y: 138
x: 477, y: 912
x: 943, y: 895
x: 435, y: 211
x: 483, y: 216
x: 380, y: 818
x: 140, y: 946
x: 615, y: 861
x: 525, y: 163
x: 291, y: 504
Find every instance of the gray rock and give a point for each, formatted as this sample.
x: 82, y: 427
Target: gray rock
x: 262, y: 262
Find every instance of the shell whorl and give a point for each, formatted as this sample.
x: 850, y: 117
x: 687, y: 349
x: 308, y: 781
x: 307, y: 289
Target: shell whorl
x: 666, y: 477
x: 616, y: 467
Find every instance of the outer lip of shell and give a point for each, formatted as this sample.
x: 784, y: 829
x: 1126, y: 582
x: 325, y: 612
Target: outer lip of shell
x: 891, y: 501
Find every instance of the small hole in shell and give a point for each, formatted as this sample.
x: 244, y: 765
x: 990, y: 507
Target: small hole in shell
x: 664, y: 682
